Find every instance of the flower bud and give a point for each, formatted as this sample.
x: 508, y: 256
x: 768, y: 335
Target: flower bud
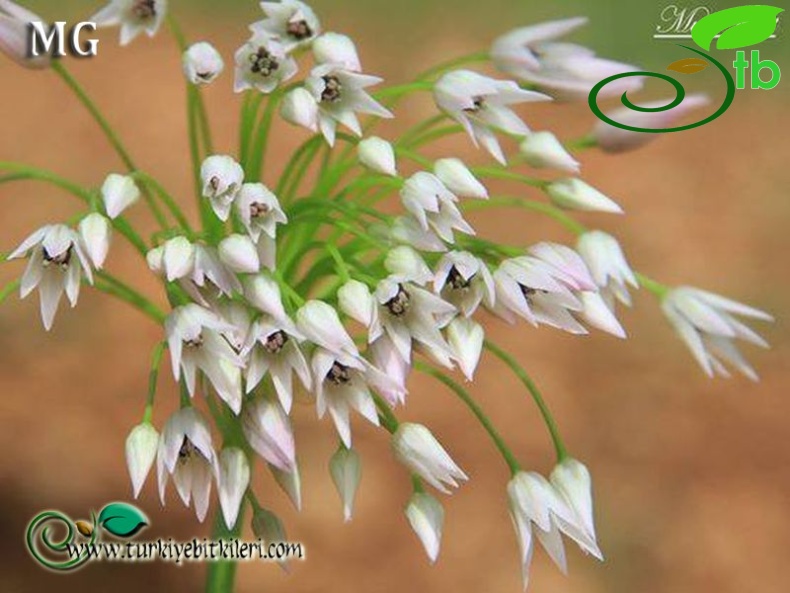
x: 575, y: 194
x: 459, y: 179
x: 544, y: 150
x: 334, y: 48
x: 300, y: 108
x: 355, y: 300
x: 319, y: 322
x: 269, y: 433
x: 178, y: 258
x: 346, y: 470
x: 426, y: 517
x: 96, y: 233
x: 141, y: 446
x: 155, y: 260
x: 233, y: 478
x: 290, y: 482
x: 239, y: 253
x: 268, y: 527
x: 465, y: 338
x: 406, y: 263
x: 202, y: 63
x: 377, y: 154
x: 118, y: 192
x: 417, y: 448
x: 263, y: 293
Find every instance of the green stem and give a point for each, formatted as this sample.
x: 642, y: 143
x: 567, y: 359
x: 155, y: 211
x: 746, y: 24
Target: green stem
x: 168, y: 200
x: 72, y: 83
x: 658, y: 289
x: 221, y: 574
x: 467, y: 399
x: 111, y: 285
x: 27, y: 172
x: 519, y: 371
x: 9, y: 288
x: 153, y: 376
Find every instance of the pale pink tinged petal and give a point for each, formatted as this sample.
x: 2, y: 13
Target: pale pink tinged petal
x: 233, y: 479
x: 689, y: 335
x: 50, y: 292
x: 466, y: 341
x: 552, y: 543
x: 201, y: 487
x: 426, y: 517
x: 179, y: 258
x: 72, y: 279
x: 32, y: 240
x: 34, y: 272
x: 109, y: 16
x: 490, y: 143
x: 598, y: 314
x: 730, y: 305
x: 58, y: 239
x: 183, y: 477
x: 283, y: 385
x: 355, y: 300
x: 340, y: 417
x: 726, y: 349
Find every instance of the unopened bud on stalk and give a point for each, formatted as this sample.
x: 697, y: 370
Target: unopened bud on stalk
x: 377, y: 154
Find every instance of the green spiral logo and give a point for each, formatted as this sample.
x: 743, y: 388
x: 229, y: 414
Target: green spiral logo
x: 680, y: 94
x: 40, y: 526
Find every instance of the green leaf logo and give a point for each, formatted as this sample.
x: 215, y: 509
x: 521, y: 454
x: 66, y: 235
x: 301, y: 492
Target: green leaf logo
x: 122, y: 519
x: 739, y: 27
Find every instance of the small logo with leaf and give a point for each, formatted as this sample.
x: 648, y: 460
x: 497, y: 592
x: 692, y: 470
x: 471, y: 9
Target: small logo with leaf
x: 119, y: 519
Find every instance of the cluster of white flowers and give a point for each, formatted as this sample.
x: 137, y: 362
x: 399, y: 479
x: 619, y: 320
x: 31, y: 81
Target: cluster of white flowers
x: 243, y: 326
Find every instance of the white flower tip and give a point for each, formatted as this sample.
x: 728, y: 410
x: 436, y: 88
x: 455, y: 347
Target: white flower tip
x: 119, y: 192
x: 378, y: 155
x: 575, y: 194
x: 202, y: 63
x: 544, y: 150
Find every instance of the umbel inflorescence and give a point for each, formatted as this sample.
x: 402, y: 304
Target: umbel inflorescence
x: 283, y: 287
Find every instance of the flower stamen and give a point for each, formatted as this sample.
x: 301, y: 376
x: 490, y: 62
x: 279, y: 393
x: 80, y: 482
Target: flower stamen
x: 263, y: 62
x: 276, y: 342
x: 299, y: 30
x: 400, y: 303
x: 144, y: 9
x: 339, y: 374
x: 332, y: 88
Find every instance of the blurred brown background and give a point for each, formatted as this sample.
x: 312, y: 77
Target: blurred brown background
x: 691, y: 476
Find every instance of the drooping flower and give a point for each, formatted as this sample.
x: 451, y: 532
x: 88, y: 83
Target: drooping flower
x: 291, y: 22
x: 616, y: 140
x: 233, y: 477
x: 575, y: 194
x: 15, y: 35
x: 342, y: 384
x: 259, y: 210
x: 566, y: 70
x: 141, y: 447
x: 539, y: 511
x: 426, y: 517
x: 377, y: 155
x: 457, y: 177
x: 133, y: 16
x: 340, y: 95
x: 407, y: 313
x: 607, y: 264
x: 544, y: 150
x: 96, y: 233
x: 346, y: 471
x: 434, y: 206
x: 222, y: 179
x: 273, y: 348
x: 539, y: 292
x: 334, y: 48
x: 119, y: 192
x: 197, y: 268
x: 406, y: 262
x: 57, y: 264
x: 482, y: 105
x: 263, y: 293
x: 202, y: 63
x: 416, y: 447
x: 464, y: 281
x: 708, y: 324
x: 178, y: 258
x: 196, y: 343
x: 268, y: 431
x: 185, y: 452
x: 262, y: 63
